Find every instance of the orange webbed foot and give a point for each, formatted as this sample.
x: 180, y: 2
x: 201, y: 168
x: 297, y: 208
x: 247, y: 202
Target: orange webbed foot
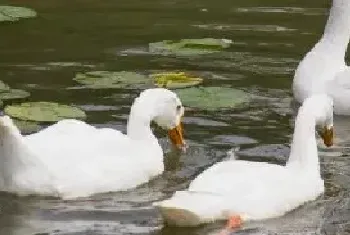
x: 233, y: 222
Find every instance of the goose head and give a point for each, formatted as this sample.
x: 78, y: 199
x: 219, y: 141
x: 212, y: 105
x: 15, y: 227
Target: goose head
x: 168, y: 115
x: 163, y: 107
x: 321, y: 106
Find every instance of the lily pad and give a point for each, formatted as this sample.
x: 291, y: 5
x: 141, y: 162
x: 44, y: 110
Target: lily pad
x: 4, y: 86
x: 213, y: 98
x: 13, y: 94
x: 173, y: 80
x: 27, y: 127
x: 6, y: 93
x: 109, y: 79
x: 12, y: 13
x: 44, y: 112
x: 124, y: 79
x: 190, y: 46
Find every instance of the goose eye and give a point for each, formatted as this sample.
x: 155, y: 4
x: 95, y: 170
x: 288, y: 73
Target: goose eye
x: 178, y: 108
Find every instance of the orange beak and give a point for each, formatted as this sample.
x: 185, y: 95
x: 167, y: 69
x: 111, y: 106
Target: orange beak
x: 327, y: 136
x: 176, y: 137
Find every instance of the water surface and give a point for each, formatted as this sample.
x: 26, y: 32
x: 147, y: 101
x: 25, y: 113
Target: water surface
x: 42, y: 55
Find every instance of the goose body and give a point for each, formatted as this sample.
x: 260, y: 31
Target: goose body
x: 256, y: 190
x: 74, y: 159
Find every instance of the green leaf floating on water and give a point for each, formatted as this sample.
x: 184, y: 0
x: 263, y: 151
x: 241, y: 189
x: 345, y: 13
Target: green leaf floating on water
x: 27, y: 127
x: 6, y: 93
x: 4, y: 86
x: 174, y: 80
x: 44, y: 112
x: 110, y: 79
x: 190, y: 46
x: 212, y: 98
x: 12, y: 13
x: 123, y: 79
x: 13, y: 94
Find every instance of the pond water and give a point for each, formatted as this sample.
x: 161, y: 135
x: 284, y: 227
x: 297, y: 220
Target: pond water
x: 42, y: 56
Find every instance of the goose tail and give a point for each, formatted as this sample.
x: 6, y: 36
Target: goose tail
x: 21, y: 171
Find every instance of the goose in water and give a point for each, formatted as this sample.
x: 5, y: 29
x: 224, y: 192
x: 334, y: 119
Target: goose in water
x: 74, y: 159
x: 323, y: 69
x: 239, y: 191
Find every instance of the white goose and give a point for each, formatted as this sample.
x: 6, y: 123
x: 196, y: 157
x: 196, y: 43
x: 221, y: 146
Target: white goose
x: 74, y: 159
x: 323, y: 69
x: 244, y: 190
